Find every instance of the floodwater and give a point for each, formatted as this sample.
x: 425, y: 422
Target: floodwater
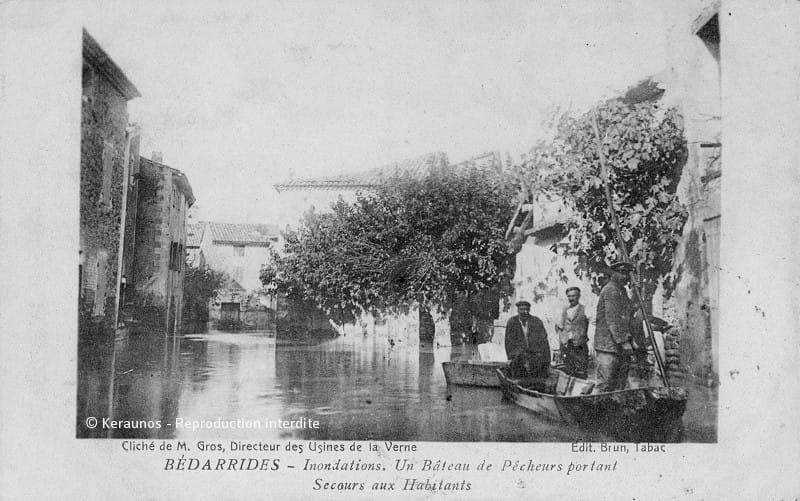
x: 243, y: 385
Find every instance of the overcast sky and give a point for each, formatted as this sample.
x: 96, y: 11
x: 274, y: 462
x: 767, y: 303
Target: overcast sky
x: 239, y: 95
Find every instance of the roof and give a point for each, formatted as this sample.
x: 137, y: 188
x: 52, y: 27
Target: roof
x: 416, y: 167
x: 231, y: 285
x: 97, y: 57
x: 547, y: 215
x: 243, y: 234
x: 178, y: 178
x: 194, y: 234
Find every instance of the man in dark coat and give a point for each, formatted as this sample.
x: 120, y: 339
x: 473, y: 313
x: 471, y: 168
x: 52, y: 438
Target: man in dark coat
x: 612, y: 337
x: 526, y: 344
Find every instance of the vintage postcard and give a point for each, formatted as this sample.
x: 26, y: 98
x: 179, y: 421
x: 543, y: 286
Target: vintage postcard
x: 356, y: 250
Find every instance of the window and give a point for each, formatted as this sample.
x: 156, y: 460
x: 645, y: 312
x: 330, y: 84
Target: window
x: 175, y: 256
x: 101, y: 274
x: 237, y: 273
x: 108, y: 174
x: 238, y: 250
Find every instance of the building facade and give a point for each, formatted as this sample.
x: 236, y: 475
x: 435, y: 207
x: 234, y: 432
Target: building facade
x: 164, y: 197
x: 693, y: 84
x: 300, y: 195
x: 237, y: 249
x: 109, y: 157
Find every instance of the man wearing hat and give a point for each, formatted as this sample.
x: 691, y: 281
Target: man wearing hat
x: 612, y: 338
x: 526, y: 343
x: 573, y: 335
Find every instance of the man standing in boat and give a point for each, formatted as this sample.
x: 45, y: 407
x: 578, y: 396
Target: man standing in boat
x: 612, y: 338
x: 573, y: 335
x: 526, y: 343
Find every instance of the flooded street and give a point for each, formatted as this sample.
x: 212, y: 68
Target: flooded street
x: 358, y: 388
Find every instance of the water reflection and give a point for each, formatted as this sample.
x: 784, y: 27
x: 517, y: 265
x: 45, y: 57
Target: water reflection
x: 358, y: 388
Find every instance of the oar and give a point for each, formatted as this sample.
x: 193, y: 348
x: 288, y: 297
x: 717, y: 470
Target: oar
x: 624, y: 251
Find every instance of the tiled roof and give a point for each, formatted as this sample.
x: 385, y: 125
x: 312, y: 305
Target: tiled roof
x: 416, y: 167
x: 194, y: 234
x: 251, y: 234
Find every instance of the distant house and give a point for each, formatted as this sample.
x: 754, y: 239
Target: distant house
x: 239, y: 251
x: 109, y: 157
x: 165, y: 196
x: 194, y: 236
x: 236, y: 249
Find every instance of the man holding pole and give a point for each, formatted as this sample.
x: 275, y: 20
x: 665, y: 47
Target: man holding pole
x: 612, y: 339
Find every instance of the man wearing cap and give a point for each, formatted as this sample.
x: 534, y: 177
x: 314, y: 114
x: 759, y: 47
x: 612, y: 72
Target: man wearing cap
x: 612, y: 338
x: 573, y: 335
x: 526, y: 343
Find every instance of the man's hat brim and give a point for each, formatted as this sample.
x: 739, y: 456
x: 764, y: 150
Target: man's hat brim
x: 622, y: 267
x: 523, y: 303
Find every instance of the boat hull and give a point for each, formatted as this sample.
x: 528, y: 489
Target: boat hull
x: 650, y: 414
x: 471, y: 373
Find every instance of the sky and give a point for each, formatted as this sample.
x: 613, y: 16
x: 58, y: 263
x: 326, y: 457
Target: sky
x: 240, y: 95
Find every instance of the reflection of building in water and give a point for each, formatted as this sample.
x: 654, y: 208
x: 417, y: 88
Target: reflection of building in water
x: 137, y: 379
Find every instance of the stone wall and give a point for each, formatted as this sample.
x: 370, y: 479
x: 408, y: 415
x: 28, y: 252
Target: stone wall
x: 693, y: 85
x: 160, y: 223
x: 104, y: 118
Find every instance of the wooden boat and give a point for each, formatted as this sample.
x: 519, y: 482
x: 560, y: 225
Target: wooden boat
x: 647, y: 414
x: 473, y: 373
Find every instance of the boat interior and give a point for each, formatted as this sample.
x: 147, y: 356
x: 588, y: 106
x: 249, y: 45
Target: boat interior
x: 560, y: 384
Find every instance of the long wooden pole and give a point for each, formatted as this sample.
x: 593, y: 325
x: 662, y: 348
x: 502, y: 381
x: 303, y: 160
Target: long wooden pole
x: 624, y: 251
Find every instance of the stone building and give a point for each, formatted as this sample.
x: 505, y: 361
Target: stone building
x: 164, y: 197
x: 236, y: 249
x: 109, y: 156
x: 239, y: 251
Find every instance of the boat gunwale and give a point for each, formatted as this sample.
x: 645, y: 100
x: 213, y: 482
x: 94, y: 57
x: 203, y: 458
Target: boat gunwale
x: 510, y: 381
x: 492, y: 363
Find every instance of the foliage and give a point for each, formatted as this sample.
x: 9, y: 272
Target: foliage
x: 200, y: 284
x: 411, y: 241
x: 644, y: 151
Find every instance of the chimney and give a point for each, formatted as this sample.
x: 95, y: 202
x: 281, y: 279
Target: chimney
x: 157, y: 156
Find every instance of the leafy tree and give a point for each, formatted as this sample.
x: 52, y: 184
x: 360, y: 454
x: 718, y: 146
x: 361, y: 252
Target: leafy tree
x: 200, y: 284
x: 644, y: 151
x: 410, y: 241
